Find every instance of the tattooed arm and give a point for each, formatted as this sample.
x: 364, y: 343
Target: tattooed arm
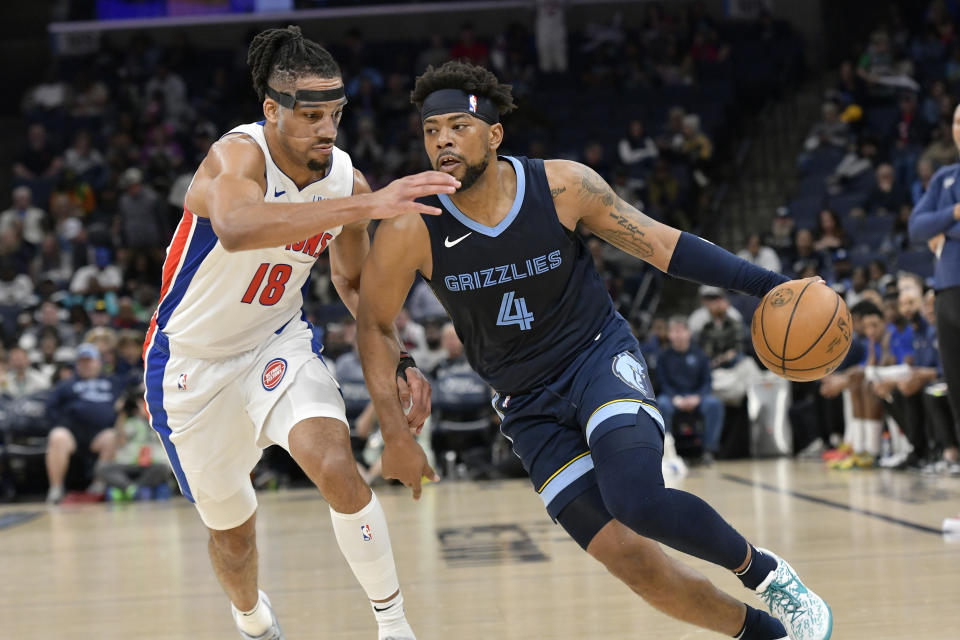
x: 582, y: 196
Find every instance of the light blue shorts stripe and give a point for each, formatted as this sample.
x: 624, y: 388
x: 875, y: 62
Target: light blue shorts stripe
x: 565, y: 478
x: 618, y: 408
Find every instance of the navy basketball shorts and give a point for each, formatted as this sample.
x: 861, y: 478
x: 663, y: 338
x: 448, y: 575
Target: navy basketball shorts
x: 551, y: 427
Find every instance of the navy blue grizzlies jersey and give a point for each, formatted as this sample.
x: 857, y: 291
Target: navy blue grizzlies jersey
x: 524, y: 296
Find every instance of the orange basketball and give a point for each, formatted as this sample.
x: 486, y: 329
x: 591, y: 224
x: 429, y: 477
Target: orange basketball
x: 802, y: 330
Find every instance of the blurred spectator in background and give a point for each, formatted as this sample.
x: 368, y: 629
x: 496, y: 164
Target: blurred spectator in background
x: 858, y: 160
x: 925, y: 171
x: 756, y: 253
x: 422, y: 304
x: 26, y: 217
x: 721, y: 339
x: 805, y: 255
x: 703, y: 315
x: 83, y: 160
x: 139, y: 212
x: 909, y: 132
x: 697, y: 148
x: 829, y: 233
x: 83, y: 414
x: 551, y: 35
x: 664, y: 197
x: 867, y: 424
x: 887, y: 195
x: 637, y: 150
x: 782, y: 229
x: 685, y: 385
x: 941, y: 151
x: 139, y: 469
x: 38, y: 165
x: 830, y: 131
x: 16, y: 288
x: 902, y: 394
x: 595, y: 157
x: 433, y: 55
x: 657, y: 339
x: 411, y: 334
x: 462, y: 420
x: 96, y: 279
x: 434, y: 351
x: 859, y: 283
x: 21, y: 379
x: 49, y: 317
x: 469, y: 47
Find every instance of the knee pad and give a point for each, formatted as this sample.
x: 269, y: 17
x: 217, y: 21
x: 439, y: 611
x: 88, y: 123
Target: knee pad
x: 630, y: 478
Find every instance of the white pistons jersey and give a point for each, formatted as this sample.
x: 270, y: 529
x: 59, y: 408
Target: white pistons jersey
x: 214, y: 303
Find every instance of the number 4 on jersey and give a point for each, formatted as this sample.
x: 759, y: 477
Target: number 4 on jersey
x: 514, y: 311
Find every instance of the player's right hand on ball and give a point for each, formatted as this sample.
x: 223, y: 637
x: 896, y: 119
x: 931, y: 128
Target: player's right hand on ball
x: 399, y: 197
x: 404, y: 460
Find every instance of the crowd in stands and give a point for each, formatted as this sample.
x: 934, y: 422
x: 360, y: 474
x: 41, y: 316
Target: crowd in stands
x: 886, y: 127
x: 111, y: 140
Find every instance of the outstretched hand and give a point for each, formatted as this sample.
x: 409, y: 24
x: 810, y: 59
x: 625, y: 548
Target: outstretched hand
x: 400, y: 196
x: 404, y: 460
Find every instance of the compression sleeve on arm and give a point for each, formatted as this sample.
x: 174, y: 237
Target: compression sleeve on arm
x: 701, y: 261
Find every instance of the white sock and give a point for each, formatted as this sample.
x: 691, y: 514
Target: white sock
x: 256, y: 621
x: 365, y: 543
x: 389, y: 611
x: 873, y: 433
x: 856, y: 434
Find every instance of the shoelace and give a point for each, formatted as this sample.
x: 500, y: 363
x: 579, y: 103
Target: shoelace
x: 778, y: 594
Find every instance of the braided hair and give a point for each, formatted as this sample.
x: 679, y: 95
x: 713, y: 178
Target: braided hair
x: 466, y: 77
x: 281, y: 56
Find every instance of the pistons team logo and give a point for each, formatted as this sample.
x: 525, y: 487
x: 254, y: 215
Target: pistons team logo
x: 273, y: 373
x: 473, y: 103
x: 367, y: 534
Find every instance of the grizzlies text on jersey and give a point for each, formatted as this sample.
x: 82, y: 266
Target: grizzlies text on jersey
x: 524, y: 295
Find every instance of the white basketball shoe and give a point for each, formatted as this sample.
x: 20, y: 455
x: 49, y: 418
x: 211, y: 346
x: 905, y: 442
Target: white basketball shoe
x: 397, y: 630
x: 803, y: 613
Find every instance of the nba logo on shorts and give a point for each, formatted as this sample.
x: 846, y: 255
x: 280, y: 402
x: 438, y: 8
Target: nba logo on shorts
x: 365, y: 530
x: 273, y: 373
x: 473, y: 103
x: 182, y: 382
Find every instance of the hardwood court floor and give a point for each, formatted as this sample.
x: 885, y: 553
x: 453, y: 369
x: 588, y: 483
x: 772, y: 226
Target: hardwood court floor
x: 482, y: 561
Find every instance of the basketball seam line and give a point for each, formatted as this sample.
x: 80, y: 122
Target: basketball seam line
x: 836, y: 308
x: 786, y: 332
x: 763, y: 308
x: 825, y: 364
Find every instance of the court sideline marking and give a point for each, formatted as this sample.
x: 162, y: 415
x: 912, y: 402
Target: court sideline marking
x: 17, y: 517
x: 831, y: 503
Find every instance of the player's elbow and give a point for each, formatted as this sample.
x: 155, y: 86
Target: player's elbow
x: 231, y: 239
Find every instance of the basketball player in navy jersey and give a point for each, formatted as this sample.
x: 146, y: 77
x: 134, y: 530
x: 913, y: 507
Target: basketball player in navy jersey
x: 572, y: 387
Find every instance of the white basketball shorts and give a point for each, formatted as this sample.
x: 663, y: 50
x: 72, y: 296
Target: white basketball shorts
x: 215, y: 416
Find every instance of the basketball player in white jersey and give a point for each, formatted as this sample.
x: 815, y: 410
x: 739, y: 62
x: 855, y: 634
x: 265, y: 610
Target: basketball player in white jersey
x: 232, y: 366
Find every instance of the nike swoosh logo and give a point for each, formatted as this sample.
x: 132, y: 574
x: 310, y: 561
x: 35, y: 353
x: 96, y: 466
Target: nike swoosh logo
x: 277, y: 194
x: 447, y: 242
x: 379, y: 610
